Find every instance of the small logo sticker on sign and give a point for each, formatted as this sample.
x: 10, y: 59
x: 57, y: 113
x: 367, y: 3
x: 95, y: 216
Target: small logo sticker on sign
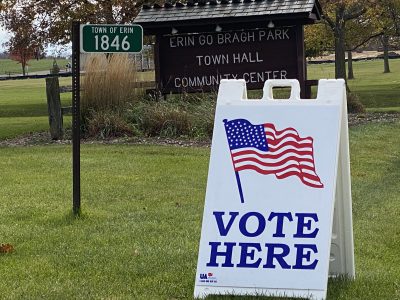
x: 207, y: 278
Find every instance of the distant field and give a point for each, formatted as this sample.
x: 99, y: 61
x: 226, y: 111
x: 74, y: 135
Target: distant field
x: 8, y: 65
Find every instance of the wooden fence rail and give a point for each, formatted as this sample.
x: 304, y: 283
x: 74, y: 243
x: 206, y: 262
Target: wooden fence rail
x: 56, y: 112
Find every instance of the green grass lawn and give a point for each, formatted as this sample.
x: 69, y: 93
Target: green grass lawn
x: 46, y: 64
x: 23, y: 106
x: 142, y: 209
x: 377, y: 91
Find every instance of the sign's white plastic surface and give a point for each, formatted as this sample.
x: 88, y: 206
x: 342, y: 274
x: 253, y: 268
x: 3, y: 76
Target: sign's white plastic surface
x: 271, y: 224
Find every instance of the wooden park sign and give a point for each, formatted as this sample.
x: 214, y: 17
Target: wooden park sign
x: 200, y: 43
x: 205, y: 59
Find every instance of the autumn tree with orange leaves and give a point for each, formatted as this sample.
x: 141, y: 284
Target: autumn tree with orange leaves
x: 53, y: 17
x: 24, y: 43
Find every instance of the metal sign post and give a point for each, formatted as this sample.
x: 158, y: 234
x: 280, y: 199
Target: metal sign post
x: 94, y: 38
x: 76, y: 122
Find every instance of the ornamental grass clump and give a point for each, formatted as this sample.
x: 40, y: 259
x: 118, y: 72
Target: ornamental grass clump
x: 107, y: 125
x: 107, y: 87
x: 108, y: 82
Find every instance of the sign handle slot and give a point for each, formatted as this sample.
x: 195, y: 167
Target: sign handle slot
x: 270, y: 84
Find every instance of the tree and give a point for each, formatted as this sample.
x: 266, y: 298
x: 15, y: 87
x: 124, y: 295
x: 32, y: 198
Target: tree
x: 53, y: 18
x: 320, y: 38
x: 24, y: 43
x: 336, y: 14
x: 22, y: 54
x: 386, y: 17
x: 358, y: 32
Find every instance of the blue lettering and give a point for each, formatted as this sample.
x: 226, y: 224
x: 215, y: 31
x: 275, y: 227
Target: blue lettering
x: 279, y: 222
x: 301, y: 224
x: 243, y: 222
x: 223, y: 231
x: 300, y: 255
x: 249, y: 254
x: 215, y: 253
x: 278, y: 256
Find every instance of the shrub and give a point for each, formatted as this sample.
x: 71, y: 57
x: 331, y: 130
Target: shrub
x: 106, y: 125
x: 161, y: 119
x: 174, y: 118
x: 354, y: 104
x: 203, y: 119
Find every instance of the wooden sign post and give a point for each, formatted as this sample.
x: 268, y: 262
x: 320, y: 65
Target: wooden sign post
x: 277, y: 215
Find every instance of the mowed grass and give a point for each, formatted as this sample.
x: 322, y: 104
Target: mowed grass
x: 138, y: 235
x: 46, y: 64
x: 142, y: 209
x: 23, y: 106
x: 377, y: 91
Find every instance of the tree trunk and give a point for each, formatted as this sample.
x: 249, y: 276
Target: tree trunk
x: 385, y: 44
x: 350, y: 74
x: 148, y: 59
x: 23, y: 64
x: 340, y: 51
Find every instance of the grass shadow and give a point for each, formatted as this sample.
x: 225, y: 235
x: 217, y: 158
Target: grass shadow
x: 25, y: 110
x: 338, y: 287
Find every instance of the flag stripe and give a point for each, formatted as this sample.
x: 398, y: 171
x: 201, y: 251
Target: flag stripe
x: 277, y: 144
x: 273, y: 138
x: 272, y: 162
x: 282, y: 175
x: 281, y: 151
x: 271, y: 128
x: 278, y: 169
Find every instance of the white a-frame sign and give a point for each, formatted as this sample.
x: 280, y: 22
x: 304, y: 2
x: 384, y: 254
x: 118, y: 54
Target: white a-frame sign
x: 277, y: 216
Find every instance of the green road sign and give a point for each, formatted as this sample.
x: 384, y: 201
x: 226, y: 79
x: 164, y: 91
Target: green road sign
x: 111, y: 38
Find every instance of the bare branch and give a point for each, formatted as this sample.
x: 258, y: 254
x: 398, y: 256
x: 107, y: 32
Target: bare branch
x: 365, y: 41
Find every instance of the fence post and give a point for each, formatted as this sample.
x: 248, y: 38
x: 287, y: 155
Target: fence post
x: 54, y: 108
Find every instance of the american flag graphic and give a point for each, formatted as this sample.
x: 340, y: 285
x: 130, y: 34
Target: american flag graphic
x: 266, y: 150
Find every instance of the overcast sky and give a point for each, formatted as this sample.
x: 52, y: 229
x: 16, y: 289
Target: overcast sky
x: 51, y: 50
x: 3, y: 38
